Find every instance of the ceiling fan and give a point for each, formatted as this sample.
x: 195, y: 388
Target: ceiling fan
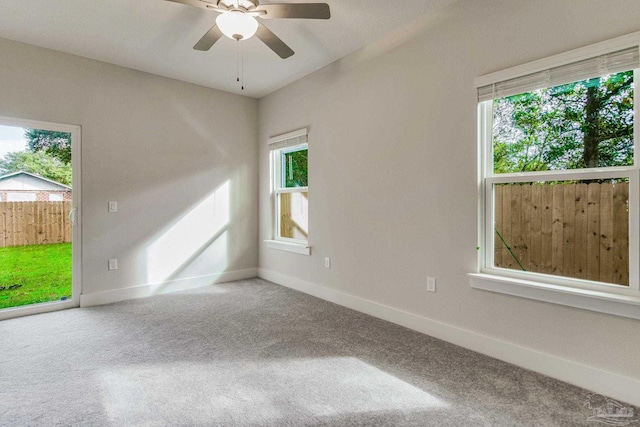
x: 237, y: 20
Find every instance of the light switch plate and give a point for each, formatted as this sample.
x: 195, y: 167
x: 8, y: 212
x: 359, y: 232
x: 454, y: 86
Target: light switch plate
x: 431, y: 284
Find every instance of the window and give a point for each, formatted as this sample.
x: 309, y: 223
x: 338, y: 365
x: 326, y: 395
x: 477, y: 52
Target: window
x: 21, y: 197
x: 559, y: 177
x: 289, y: 175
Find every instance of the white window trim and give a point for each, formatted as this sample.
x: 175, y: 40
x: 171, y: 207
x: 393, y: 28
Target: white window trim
x: 279, y: 188
x: 296, y: 248
x: 281, y: 144
x: 595, y: 296
x: 603, y: 302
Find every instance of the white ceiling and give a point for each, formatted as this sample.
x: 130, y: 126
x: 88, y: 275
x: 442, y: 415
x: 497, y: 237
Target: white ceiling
x: 157, y: 36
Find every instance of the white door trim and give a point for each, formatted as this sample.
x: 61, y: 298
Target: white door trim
x: 75, y: 131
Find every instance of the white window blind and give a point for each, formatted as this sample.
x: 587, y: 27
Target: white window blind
x: 615, y: 62
x: 288, y: 139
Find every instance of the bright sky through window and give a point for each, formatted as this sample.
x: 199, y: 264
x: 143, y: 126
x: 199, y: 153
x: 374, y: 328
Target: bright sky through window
x: 11, y: 139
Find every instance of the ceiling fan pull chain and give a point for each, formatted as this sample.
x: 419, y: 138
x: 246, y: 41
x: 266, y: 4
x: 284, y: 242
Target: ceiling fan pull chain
x: 238, y: 61
x: 242, y: 67
x: 239, y: 64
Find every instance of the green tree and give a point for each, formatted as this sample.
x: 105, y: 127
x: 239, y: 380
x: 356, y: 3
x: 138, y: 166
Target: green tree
x: 578, y: 125
x: 40, y: 162
x: 296, y: 169
x: 607, y: 124
x: 57, y: 144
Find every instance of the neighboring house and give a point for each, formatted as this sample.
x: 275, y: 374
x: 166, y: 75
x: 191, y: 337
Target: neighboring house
x: 28, y: 187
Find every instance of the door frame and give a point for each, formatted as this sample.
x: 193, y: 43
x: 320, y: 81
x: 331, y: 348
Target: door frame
x: 76, y: 253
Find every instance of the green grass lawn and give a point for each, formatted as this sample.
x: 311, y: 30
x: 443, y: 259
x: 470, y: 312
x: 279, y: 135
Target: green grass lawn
x: 34, y: 274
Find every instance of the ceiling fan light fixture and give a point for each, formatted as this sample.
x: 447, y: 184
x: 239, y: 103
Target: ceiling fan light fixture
x: 237, y: 25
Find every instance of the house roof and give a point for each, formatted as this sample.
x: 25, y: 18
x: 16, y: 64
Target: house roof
x: 50, y: 181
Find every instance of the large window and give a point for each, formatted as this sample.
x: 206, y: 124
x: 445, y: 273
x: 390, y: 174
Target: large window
x: 559, y: 171
x: 290, y: 183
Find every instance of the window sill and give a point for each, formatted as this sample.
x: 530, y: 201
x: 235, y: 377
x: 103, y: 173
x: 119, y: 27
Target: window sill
x: 603, y: 302
x: 289, y: 247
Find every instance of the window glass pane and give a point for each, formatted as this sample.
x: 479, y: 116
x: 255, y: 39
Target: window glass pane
x: 294, y: 215
x: 585, y: 124
x: 294, y: 169
x: 21, y: 197
x: 577, y: 229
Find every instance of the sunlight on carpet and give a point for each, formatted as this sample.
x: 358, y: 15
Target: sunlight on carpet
x: 249, y: 391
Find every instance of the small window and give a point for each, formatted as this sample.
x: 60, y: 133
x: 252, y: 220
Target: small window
x: 559, y: 172
x: 21, y: 197
x: 291, y: 189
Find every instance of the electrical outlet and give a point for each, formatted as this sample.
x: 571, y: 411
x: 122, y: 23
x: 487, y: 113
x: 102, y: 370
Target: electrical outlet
x: 327, y: 262
x: 431, y: 284
x: 113, y: 264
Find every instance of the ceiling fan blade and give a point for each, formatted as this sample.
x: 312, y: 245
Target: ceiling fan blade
x: 209, y: 39
x: 274, y: 43
x: 203, y: 4
x: 296, y: 10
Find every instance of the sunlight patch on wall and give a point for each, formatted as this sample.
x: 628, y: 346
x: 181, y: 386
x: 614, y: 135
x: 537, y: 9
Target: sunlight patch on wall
x: 199, y: 234
x: 248, y: 392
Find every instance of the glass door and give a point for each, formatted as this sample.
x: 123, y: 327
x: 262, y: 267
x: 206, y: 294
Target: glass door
x: 39, y: 221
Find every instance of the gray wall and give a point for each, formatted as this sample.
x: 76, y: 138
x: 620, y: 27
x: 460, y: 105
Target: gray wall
x: 160, y: 148
x: 393, y: 171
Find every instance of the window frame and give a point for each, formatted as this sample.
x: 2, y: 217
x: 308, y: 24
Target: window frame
x: 277, y: 144
x: 604, y: 297
x: 278, y: 178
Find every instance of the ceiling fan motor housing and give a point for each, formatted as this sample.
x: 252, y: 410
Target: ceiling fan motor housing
x: 237, y: 20
x: 242, y: 4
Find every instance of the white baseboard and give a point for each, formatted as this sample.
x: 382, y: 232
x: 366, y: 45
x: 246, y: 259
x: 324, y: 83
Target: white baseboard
x: 141, y: 291
x: 28, y: 310
x: 591, y: 378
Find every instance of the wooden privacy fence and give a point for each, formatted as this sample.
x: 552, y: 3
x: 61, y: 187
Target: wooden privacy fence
x: 573, y: 230
x: 294, y: 214
x: 34, y: 223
